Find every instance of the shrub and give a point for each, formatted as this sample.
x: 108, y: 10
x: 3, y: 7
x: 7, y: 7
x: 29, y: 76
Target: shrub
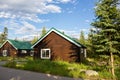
x: 105, y: 74
x: 117, y: 73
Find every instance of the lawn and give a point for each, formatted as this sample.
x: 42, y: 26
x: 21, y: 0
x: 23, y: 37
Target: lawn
x: 63, y: 68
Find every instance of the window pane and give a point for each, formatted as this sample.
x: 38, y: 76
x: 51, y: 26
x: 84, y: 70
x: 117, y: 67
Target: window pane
x: 47, y: 53
x: 24, y: 51
x: 4, y: 52
x: 43, y: 53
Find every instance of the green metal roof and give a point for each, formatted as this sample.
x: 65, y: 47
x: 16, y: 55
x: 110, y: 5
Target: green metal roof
x: 61, y: 34
x: 19, y: 44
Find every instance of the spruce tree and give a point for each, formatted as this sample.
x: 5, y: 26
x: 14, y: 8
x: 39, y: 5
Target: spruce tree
x: 82, y: 38
x: 107, y: 32
x: 43, y: 31
x: 4, y: 35
x: 34, y: 40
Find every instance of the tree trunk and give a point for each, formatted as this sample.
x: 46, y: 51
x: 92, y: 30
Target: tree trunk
x: 112, y: 65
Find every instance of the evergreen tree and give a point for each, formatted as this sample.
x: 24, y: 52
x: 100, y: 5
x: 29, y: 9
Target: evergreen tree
x: 43, y: 31
x: 90, y: 44
x: 34, y: 40
x: 82, y: 38
x: 107, y: 32
x: 4, y: 35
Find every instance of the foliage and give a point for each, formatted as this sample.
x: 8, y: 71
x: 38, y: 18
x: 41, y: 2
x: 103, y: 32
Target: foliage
x: 43, y: 31
x: 106, y: 33
x: 4, y: 35
x: 34, y: 40
x: 117, y: 72
x: 90, y: 41
x: 82, y: 38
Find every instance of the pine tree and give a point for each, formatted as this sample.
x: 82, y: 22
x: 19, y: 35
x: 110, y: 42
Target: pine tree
x: 90, y: 44
x: 4, y: 35
x: 107, y: 32
x: 43, y: 31
x: 82, y: 38
x: 34, y: 40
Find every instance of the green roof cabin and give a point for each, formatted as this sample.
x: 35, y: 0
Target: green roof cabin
x: 16, y: 48
x: 56, y: 45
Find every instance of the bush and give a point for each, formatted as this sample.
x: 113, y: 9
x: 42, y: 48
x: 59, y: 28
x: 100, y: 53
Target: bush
x: 105, y: 74
x: 117, y: 73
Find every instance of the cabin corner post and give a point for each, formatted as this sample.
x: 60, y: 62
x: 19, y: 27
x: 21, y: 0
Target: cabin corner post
x: 85, y: 53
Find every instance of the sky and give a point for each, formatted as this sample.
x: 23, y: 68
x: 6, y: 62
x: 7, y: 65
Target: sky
x: 25, y: 18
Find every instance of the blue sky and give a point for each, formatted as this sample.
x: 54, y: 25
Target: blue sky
x: 25, y: 19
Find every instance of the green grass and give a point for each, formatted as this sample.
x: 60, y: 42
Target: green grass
x: 63, y: 68
x: 5, y: 58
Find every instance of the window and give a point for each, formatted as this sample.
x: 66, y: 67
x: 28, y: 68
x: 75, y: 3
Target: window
x: 31, y: 53
x: 24, y: 51
x: 45, y: 53
x: 4, y: 52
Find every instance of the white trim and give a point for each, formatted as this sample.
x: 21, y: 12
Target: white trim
x: 9, y: 42
x: 53, y: 30
x: 81, y: 50
x: 32, y: 53
x: 45, y: 51
x: 85, y: 53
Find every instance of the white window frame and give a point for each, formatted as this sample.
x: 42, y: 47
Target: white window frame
x: 31, y: 53
x: 4, y: 53
x: 45, y: 51
x: 24, y: 51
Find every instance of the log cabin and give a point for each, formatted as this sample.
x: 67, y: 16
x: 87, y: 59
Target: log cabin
x: 56, y: 45
x: 15, y: 48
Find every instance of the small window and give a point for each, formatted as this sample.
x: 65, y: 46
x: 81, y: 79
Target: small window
x: 31, y: 53
x: 24, y: 51
x: 4, y: 52
x: 45, y: 53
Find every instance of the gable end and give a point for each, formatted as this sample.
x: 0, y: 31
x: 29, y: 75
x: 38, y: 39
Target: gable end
x: 60, y: 34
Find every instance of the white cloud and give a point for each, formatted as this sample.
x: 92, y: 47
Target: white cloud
x: 65, y: 1
x: 27, y: 10
x: 25, y: 28
x: 87, y: 21
x: 19, y: 27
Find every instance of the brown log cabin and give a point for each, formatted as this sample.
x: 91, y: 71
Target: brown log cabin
x: 56, y: 45
x: 16, y: 48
